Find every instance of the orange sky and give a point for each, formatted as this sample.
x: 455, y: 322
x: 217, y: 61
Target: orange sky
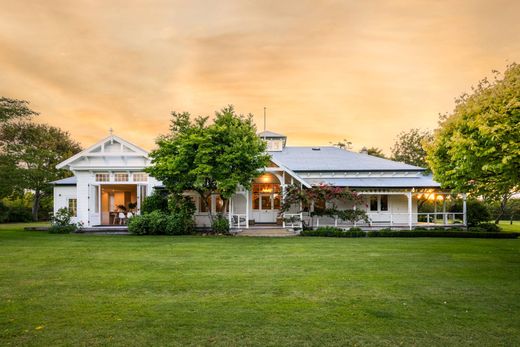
x: 326, y: 70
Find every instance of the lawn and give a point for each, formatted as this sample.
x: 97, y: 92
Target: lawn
x: 508, y: 227
x: 130, y: 290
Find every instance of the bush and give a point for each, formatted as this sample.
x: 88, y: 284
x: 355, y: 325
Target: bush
x: 158, y: 201
x: 334, y: 232
x: 62, y: 222
x: 477, y: 211
x: 160, y: 223
x: 220, y: 225
x: 486, y: 227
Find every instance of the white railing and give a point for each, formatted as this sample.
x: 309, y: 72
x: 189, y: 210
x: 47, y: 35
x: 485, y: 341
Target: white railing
x: 396, y: 219
x: 292, y: 220
x: 237, y: 221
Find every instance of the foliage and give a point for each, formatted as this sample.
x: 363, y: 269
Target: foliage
x: 61, y: 222
x: 29, y: 153
x: 160, y: 223
x: 486, y: 227
x: 294, y: 196
x: 158, y: 201
x: 343, y: 144
x: 510, y: 212
x: 334, y: 232
x: 13, y: 109
x: 209, y: 158
x: 409, y: 147
x: 14, y: 213
x: 477, y: 148
x: 476, y: 211
x: 376, y: 152
x: 220, y: 225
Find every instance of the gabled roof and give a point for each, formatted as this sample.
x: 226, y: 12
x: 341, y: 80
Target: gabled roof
x: 268, y: 133
x: 96, y: 150
x: 335, y: 159
x: 69, y: 181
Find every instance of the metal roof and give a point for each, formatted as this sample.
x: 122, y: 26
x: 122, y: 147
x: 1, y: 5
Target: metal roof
x: 69, y: 181
x: 268, y: 133
x: 335, y: 159
x: 378, y: 182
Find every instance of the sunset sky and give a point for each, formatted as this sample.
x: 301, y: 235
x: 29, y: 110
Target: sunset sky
x: 326, y: 70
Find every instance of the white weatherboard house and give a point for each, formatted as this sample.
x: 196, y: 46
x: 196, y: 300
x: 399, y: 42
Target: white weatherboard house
x: 110, y: 174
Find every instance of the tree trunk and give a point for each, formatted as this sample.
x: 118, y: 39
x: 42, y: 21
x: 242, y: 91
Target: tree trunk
x: 503, y: 205
x: 204, y: 198
x: 36, y: 205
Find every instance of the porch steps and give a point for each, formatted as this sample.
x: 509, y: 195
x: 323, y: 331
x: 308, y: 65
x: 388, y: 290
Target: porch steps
x: 264, y: 232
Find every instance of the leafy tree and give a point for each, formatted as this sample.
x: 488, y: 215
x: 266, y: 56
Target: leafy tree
x: 11, y: 109
x: 30, y: 152
x: 409, y: 147
x: 376, y: 152
x: 477, y: 148
x: 209, y: 158
x: 343, y: 144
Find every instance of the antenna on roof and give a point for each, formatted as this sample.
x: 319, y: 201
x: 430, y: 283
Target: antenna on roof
x: 111, y: 131
x: 265, y: 121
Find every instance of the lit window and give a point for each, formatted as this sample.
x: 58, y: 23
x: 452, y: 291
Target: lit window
x: 73, y: 207
x: 102, y: 177
x: 140, y: 177
x: 203, y: 207
x: 121, y: 177
x: 219, y: 205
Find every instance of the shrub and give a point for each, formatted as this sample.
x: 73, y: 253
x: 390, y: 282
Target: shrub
x: 477, y: 211
x: 160, y: 223
x: 62, y: 222
x: 486, y: 227
x: 334, y: 232
x: 158, y: 201
x: 220, y: 225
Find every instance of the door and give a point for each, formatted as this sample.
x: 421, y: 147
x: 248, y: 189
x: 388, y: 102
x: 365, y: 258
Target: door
x: 265, y: 207
x: 94, y: 205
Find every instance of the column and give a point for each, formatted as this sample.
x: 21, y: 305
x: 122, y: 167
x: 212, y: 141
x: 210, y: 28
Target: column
x: 247, y: 209
x: 409, y: 196
x: 464, y: 210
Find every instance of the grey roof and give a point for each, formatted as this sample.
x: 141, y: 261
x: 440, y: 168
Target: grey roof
x: 335, y: 159
x: 268, y: 133
x: 69, y: 181
x: 378, y: 182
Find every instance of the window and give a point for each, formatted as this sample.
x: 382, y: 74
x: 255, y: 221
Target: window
x: 379, y: 203
x: 219, y: 204
x: 73, y: 207
x: 203, y: 207
x: 384, y: 202
x: 121, y: 177
x: 140, y: 177
x: 102, y: 177
x: 373, y: 203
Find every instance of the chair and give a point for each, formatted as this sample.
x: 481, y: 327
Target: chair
x: 129, y: 215
x: 122, y: 218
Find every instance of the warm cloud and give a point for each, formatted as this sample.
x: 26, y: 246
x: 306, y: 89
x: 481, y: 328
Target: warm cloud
x: 362, y: 70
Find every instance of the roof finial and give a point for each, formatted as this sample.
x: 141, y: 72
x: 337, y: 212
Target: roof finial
x: 111, y: 131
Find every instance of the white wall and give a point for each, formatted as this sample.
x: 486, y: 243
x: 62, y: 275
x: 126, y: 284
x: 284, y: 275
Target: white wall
x: 61, y: 196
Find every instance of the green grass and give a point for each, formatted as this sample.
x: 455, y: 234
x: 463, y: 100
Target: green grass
x: 129, y: 290
x: 507, y: 227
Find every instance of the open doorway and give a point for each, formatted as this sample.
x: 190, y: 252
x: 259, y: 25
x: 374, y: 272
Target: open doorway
x: 118, y: 203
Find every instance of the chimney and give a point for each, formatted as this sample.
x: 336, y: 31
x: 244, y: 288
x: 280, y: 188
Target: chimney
x: 363, y: 150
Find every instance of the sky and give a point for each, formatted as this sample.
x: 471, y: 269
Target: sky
x: 325, y: 70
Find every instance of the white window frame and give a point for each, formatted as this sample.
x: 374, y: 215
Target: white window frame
x: 378, y: 203
x: 140, y: 177
x: 102, y: 174
x: 117, y: 174
x: 75, y: 214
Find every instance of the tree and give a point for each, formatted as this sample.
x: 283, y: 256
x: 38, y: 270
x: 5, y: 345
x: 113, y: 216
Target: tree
x: 11, y: 109
x: 209, y: 158
x: 409, y: 147
x: 344, y: 144
x: 376, y: 152
x: 30, y: 152
x: 476, y: 149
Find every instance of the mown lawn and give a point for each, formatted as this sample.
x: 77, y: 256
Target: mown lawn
x: 129, y: 290
x: 508, y: 227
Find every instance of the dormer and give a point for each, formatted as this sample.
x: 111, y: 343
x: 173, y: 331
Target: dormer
x: 275, y: 142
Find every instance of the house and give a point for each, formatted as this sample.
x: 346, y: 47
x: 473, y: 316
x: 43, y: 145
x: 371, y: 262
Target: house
x: 109, y: 178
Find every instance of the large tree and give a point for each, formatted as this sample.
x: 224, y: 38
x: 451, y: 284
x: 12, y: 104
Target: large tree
x: 376, y: 152
x: 13, y: 109
x: 477, y: 148
x: 209, y: 157
x: 29, y: 153
x: 409, y: 147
